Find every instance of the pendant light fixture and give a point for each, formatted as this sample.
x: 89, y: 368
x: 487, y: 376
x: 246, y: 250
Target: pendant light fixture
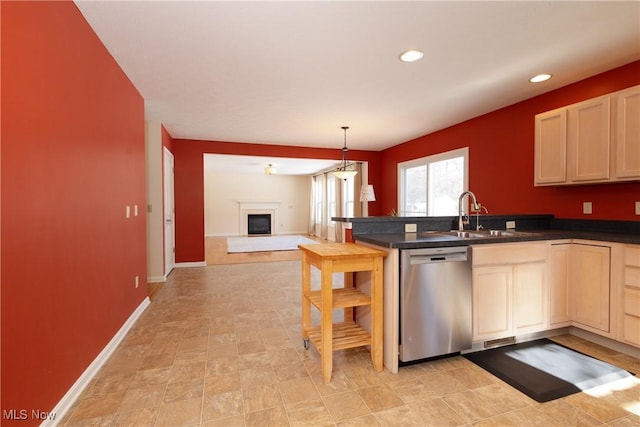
x: 345, y: 170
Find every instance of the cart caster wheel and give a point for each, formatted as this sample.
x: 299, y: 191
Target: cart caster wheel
x: 305, y: 343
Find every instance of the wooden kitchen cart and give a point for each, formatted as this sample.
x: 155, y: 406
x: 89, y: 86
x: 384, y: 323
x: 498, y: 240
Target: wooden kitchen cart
x: 348, y: 258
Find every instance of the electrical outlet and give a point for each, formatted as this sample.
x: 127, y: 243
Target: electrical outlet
x: 587, y: 208
x: 410, y: 228
x: 511, y: 224
x: 637, y: 208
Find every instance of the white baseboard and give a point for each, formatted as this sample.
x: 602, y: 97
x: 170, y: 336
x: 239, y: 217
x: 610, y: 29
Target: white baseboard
x: 156, y: 279
x: 190, y: 264
x: 81, y: 383
x: 284, y: 233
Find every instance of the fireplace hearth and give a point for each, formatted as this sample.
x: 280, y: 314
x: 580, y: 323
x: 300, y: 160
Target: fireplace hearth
x: 259, y: 224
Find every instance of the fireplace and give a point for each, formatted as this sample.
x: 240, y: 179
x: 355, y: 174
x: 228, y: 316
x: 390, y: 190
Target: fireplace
x: 258, y: 224
x: 259, y: 208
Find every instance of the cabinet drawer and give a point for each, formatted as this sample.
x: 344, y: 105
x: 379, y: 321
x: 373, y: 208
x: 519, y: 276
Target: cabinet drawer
x: 632, y: 256
x: 511, y: 253
x: 632, y: 302
x: 632, y: 276
x: 632, y: 329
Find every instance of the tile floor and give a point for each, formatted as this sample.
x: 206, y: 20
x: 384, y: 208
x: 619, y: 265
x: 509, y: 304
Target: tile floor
x: 221, y: 346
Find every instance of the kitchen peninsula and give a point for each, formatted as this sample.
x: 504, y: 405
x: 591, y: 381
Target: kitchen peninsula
x: 547, y: 276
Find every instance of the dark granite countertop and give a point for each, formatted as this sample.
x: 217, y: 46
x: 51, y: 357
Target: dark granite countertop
x: 429, y: 239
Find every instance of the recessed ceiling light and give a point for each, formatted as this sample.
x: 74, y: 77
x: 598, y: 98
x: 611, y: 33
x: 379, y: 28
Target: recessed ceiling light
x: 411, y: 56
x: 540, y: 78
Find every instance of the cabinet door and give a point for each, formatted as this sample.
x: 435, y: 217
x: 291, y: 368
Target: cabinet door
x: 590, y: 277
x: 529, y: 297
x: 559, y: 292
x: 550, y: 147
x: 627, y: 133
x: 492, y: 302
x: 588, y: 140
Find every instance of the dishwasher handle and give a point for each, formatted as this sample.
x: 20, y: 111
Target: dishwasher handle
x: 436, y: 258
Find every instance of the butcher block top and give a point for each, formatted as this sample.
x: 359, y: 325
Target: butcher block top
x: 341, y: 251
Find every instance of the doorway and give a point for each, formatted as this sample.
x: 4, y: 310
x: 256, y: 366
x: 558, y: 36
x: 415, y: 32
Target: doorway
x: 169, y: 214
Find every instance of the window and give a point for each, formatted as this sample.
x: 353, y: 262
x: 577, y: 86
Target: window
x: 318, y: 199
x: 430, y: 186
x: 349, y: 197
x: 331, y: 197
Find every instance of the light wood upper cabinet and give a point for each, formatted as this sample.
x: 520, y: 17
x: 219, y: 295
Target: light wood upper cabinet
x: 594, y: 141
x: 551, y: 147
x: 588, y: 140
x: 627, y: 135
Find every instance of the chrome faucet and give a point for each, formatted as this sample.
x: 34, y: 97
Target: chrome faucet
x: 476, y: 207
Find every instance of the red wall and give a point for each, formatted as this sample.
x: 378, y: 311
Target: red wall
x: 167, y: 140
x: 72, y: 158
x: 501, y: 153
x: 500, y: 165
x: 189, y: 183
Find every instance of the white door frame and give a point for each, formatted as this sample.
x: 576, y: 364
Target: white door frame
x: 168, y: 213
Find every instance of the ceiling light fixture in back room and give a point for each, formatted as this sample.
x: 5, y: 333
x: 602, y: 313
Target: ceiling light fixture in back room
x: 269, y: 169
x: 345, y: 170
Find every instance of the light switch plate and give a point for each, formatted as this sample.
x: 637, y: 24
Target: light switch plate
x: 410, y: 228
x: 587, y: 208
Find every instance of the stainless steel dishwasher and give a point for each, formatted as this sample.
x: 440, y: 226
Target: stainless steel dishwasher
x: 435, y: 302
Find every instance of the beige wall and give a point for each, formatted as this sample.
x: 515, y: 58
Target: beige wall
x: 154, y: 208
x: 224, y: 192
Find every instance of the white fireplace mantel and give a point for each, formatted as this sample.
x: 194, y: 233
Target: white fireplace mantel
x: 257, y: 204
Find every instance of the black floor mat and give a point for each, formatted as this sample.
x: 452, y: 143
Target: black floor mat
x: 545, y: 370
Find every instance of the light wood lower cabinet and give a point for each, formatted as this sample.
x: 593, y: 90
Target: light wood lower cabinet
x: 492, y: 302
x: 590, y: 275
x: 509, y: 290
x: 631, y: 296
x: 520, y: 288
x: 580, y: 286
x: 559, y: 285
x: 529, y: 297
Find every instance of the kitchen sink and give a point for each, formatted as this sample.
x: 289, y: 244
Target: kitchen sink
x: 507, y: 233
x: 468, y: 234
x: 480, y: 234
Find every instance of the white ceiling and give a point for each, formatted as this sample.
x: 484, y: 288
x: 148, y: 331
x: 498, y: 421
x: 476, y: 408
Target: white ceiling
x: 231, y: 164
x: 293, y: 73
